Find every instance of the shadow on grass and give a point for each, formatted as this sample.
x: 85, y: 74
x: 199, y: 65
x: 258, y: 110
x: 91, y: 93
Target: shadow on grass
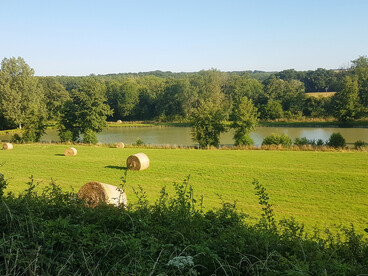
x: 116, y: 167
x: 59, y: 154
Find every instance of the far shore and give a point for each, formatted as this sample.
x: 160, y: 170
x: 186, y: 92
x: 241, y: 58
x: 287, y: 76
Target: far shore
x: 316, y: 123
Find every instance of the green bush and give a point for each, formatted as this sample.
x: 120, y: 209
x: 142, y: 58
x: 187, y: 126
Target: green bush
x: 66, y: 136
x: 139, y: 142
x: 301, y: 141
x: 90, y: 137
x: 276, y: 139
x: 359, y: 144
x: 16, y: 138
x: 243, y: 140
x: 336, y: 140
x: 320, y: 142
x: 272, y: 110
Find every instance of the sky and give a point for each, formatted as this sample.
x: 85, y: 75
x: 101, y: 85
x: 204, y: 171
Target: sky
x: 80, y: 37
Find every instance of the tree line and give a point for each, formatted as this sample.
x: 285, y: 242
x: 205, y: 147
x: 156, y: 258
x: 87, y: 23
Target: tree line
x: 207, y: 98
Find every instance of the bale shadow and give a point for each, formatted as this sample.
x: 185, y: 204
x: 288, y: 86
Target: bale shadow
x: 59, y: 154
x: 116, y: 167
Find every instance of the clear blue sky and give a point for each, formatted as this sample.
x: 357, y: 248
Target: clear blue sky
x: 80, y: 37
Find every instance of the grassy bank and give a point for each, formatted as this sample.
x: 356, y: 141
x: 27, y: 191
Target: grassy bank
x: 317, y: 188
x: 315, y: 123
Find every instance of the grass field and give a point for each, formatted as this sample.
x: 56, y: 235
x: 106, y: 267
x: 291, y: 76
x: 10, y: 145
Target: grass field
x: 317, y: 188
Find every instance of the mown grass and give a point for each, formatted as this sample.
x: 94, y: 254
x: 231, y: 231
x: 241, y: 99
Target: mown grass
x: 317, y: 188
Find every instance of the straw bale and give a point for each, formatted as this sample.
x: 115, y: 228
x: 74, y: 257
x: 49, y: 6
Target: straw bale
x: 119, y: 121
x: 96, y: 192
x: 70, y: 152
x: 138, y: 162
x: 120, y: 145
x: 7, y: 146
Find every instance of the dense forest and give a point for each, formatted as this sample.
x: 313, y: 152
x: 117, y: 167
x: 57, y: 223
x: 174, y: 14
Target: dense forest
x: 83, y: 104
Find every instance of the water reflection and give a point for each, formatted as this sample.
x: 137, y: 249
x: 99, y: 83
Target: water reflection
x: 181, y: 135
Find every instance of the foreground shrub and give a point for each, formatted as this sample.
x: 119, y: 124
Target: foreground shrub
x: 276, y: 139
x: 54, y: 233
x: 336, y: 140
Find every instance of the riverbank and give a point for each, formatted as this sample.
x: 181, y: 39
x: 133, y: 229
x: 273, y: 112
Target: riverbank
x: 320, y: 123
x: 312, y: 123
x: 330, y: 191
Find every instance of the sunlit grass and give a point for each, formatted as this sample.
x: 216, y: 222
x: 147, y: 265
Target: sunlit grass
x: 317, y: 188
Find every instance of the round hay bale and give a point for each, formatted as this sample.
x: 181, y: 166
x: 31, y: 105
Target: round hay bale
x: 119, y: 121
x: 96, y: 192
x: 7, y: 146
x: 138, y: 162
x: 120, y: 145
x: 70, y: 152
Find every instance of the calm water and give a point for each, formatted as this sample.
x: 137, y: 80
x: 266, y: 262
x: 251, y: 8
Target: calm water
x: 181, y: 135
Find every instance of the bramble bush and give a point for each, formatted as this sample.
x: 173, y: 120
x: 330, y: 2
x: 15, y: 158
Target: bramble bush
x: 55, y: 233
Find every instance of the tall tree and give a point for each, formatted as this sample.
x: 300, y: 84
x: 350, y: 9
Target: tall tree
x: 346, y: 101
x: 242, y: 86
x: 55, y: 95
x: 211, y: 109
x: 20, y: 93
x: 360, y: 70
x: 123, y: 97
x: 244, y: 120
x: 86, y: 111
x: 208, y: 122
x: 289, y: 93
x: 150, y: 90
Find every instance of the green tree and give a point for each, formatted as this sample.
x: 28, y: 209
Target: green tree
x: 151, y: 89
x: 20, y: 92
x: 242, y: 86
x: 34, y: 127
x: 55, y: 95
x: 272, y: 110
x: 86, y: 111
x: 360, y: 70
x: 244, y: 119
x: 291, y: 94
x: 123, y: 97
x: 211, y: 109
x: 174, y: 100
x: 208, y: 122
x: 346, y: 101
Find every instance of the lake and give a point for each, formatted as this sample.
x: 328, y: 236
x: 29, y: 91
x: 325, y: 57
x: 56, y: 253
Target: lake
x: 180, y: 136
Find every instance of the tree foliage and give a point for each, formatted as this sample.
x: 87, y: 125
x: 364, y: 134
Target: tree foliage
x: 208, y: 122
x: 86, y: 111
x: 244, y: 119
x: 20, y: 92
x: 346, y: 101
x: 167, y: 96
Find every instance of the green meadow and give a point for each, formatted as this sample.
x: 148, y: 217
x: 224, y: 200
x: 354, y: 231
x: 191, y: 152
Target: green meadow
x: 317, y: 188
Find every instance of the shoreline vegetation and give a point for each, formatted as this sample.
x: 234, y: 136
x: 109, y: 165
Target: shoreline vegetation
x: 323, y: 123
